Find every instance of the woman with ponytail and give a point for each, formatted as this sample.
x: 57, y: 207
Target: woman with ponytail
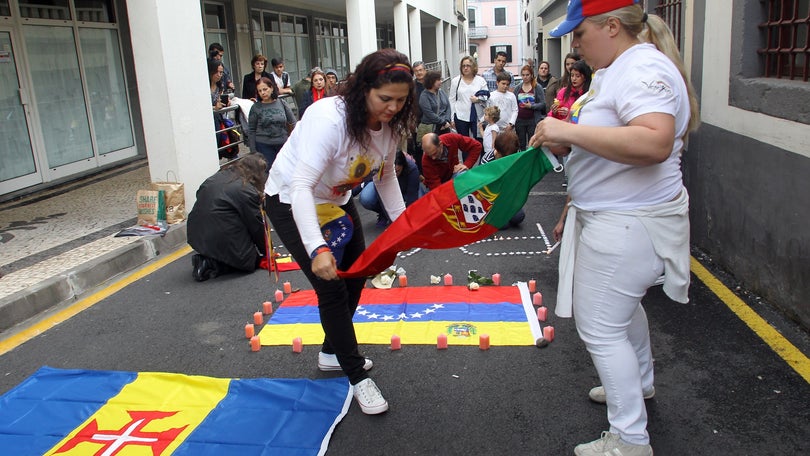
x: 627, y: 220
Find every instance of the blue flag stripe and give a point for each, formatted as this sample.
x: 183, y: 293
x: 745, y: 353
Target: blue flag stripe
x: 256, y: 417
x: 50, y: 404
x: 461, y: 312
x: 303, y: 412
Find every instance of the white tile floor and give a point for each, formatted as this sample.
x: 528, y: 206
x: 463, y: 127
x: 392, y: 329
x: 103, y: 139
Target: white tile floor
x: 37, y: 227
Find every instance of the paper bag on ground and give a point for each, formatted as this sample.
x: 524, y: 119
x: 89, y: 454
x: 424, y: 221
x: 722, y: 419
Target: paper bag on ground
x: 151, y: 207
x: 175, y: 200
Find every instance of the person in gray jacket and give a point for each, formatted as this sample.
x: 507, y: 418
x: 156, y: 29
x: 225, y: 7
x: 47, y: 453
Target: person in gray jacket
x: 434, y: 104
x: 269, y: 121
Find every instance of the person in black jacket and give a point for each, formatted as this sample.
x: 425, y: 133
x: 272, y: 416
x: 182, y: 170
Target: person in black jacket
x: 225, y: 227
x: 259, y: 63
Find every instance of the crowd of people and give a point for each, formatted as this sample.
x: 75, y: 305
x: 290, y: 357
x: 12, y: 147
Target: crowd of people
x: 621, y: 111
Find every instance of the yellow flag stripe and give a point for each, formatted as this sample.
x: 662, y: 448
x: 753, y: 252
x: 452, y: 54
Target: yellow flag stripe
x: 423, y: 333
x: 191, y: 397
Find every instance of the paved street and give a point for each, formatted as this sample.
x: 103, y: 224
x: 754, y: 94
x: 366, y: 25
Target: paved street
x: 721, y: 390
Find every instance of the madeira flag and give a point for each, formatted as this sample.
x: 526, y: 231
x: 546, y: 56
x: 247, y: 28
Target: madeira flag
x: 417, y: 315
x: 81, y: 412
x: 464, y: 210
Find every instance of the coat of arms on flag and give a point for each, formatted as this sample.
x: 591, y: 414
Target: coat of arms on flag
x: 466, y: 209
x: 82, y: 412
x: 417, y: 315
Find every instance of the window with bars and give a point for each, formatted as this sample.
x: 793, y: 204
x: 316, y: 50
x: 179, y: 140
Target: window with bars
x: 769, y: 48
x: 786, y: 51
x: 671, y: 11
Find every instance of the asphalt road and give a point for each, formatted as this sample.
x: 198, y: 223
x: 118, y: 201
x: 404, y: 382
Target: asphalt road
x: 720, y: 389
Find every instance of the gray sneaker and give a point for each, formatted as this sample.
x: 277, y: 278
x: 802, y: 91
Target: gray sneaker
x: 370, y: 398
x: 612, y: 445
x: 327, y: 362
x: 597, y: 394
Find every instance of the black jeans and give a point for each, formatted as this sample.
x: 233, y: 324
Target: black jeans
x: 337, y: 299
x: 524, y: 129
x: 465, y: 128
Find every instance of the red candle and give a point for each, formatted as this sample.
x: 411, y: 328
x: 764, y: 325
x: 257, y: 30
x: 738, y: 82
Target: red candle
x: 267, y: 307
x: 542, y: 313
x: 448, y: 279
x: 441, y: 342
x: 396, y: 343
x: 403, y: 280
x: 257, y: 318
x: 537, y: 299
x: 279, y: 296
x: 287, y: 288
x: 532, y: 286
x: 483, y: 341
x: 548, y: 333
x: 496, y: 279
x: 250, y: 331
x: 255, y: 343
x: 298, y: 345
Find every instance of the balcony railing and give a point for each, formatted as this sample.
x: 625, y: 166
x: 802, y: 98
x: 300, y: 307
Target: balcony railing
x: 477, y: 33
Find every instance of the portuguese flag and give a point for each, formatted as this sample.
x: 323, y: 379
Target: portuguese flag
x: 464, y: 210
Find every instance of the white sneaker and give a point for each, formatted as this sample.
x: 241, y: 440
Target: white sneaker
x: 612, y: 445
x: 597, y: 394
x: 369, y: 397
x: 327, y: 362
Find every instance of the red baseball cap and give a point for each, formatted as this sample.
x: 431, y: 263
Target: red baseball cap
x: 578, y: 10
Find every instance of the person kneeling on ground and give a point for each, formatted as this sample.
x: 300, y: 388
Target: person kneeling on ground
x: 507, y: 143
x: 408, y: 178
x: 440, y: 162
x: 225, y: 227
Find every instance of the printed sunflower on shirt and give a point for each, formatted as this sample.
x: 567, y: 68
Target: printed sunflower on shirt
x: 360, y: 167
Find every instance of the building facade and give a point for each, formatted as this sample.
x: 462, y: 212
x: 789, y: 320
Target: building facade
x: 495, y: 26
x: 89, y: 84
x: 747, y: 166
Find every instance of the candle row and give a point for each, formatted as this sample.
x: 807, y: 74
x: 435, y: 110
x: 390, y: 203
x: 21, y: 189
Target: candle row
x: 441, y: 342
x: 258, y: 317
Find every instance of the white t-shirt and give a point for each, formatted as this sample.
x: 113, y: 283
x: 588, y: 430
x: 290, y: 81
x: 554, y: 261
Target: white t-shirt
x: 640, y: 81
x: 507, y: 103
x: 320, y: 164
x: 489, y: 146
x: 460, y: 93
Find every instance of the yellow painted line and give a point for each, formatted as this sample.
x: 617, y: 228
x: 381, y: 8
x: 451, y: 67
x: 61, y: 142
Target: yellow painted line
x: 40, y: 327
x: 786, y: 350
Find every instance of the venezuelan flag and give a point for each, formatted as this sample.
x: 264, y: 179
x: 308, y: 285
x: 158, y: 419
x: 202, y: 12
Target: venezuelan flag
x: 417, y: 315
x: 82, y: 412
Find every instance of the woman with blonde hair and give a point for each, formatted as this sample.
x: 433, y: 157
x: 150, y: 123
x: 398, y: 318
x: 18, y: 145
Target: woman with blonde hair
x: 465, y: 97
x: 627, y: 220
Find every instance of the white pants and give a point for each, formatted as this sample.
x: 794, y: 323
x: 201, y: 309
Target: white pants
x: 615, y: 264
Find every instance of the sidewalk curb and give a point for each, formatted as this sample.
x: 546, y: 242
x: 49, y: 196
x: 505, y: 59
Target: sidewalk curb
x: 74, y: 283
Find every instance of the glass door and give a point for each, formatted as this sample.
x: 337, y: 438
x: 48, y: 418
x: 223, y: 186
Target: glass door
x: 18, y: 164
x: 59, y: 98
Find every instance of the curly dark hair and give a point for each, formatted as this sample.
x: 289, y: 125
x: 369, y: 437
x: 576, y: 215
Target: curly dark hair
x: 385, y: 66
